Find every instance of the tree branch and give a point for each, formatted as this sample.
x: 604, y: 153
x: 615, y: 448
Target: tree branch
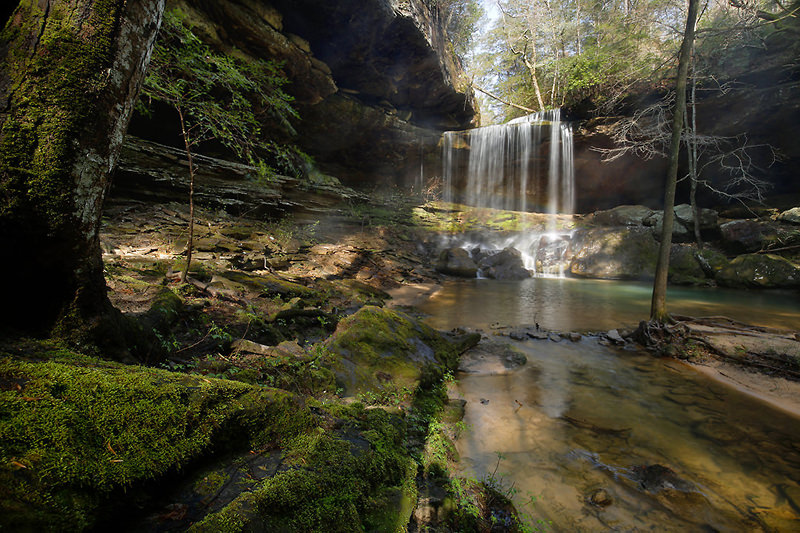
x: 487, y: 93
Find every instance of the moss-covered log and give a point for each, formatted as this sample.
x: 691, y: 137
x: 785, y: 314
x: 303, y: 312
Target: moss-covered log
x: 70, y: 72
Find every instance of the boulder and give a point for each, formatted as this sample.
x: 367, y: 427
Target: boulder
x: 683, y: 225
x: 623, y: 215
x: 379, y: 349
x: 607, y: 253
x: 680, y: 233
x: 506, y: 264
x: 684, y: 266
x: 763, y: 271
x: 792, y: 216
x: 708, y: 217
x: 456, y: 262
x: 741, y: 236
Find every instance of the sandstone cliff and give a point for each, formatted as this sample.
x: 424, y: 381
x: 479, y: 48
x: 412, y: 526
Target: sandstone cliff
x: 374, y: 81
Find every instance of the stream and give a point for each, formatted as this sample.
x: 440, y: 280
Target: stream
x: 588, y: 437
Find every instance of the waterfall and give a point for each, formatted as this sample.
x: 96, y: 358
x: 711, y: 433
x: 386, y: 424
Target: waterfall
x: 505, y: 167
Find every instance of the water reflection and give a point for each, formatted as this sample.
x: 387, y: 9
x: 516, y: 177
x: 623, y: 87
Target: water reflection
x: 580, y: 419
x: 571, y: 304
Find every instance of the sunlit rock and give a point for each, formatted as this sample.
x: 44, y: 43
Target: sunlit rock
x: 791, y: 216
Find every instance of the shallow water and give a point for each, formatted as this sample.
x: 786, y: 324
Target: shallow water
x: 581, y: 417
x: 592, y: 305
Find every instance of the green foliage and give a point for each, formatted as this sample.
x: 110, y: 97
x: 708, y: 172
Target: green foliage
x: 218, y: 96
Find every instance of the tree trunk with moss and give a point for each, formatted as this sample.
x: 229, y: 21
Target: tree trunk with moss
x: 658, y: 307
x: 70, y: 74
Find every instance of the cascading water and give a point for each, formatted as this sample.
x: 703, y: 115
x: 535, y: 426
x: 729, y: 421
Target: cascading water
x: 501, y: 167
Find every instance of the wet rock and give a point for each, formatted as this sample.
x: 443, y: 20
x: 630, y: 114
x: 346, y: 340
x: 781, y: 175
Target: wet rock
x: 506, y: 264
x: 600, y: 498
x: 518, y: 335
x: 740, y: 236
x: 623, y: 215
x: 792, y: 216
x: 456, y: 262
x: 614, y: 336
x: 764, y: 271
x: 654, y: 478
x: 575, y: 337
x: 491, y: 358
x: 554, y: 337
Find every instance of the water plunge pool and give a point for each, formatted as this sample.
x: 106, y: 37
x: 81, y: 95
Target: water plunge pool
x: 611, y: 439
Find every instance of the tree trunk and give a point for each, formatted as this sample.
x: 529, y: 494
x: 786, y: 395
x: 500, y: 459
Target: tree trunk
x: 70, y: 73
x: 190, y: 239
x: 658, y: 307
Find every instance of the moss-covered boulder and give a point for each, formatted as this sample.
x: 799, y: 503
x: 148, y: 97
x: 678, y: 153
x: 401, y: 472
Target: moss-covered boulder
x: 613, y: 253
x: 378, y: 349
x: 353, y: 473
x: 686, y: 265
x: 740, y: 236
x: 622, y: 215
x: 763, y: 271
x: 75, y: 432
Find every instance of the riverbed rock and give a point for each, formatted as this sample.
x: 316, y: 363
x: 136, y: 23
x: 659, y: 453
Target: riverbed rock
x: 613, y: 253
x: 792, y: 216
x: 614, y: 336
x: 456, y: 262
x: 623, y: 215
x: 491, y: 358
x: 762, y: 271
x: 506, y: 264
x: 743, y: 236
x: 600, y: 498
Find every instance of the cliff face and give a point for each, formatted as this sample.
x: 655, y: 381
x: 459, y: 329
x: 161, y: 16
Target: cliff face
x: 753, y: 101
x: 373, y: 80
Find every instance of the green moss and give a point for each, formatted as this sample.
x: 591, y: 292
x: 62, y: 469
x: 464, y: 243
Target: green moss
x: 56, y: 91
x: 335, y: 480
x: 71, y: 434
x: 376, y: 348
x: 759, y: 271
x: 269, y: 284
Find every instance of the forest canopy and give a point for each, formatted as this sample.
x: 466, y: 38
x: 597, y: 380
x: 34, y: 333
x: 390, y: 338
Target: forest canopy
x: 593, y: 55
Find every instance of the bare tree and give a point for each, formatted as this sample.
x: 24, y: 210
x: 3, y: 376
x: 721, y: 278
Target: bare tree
x: 658, y: 306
